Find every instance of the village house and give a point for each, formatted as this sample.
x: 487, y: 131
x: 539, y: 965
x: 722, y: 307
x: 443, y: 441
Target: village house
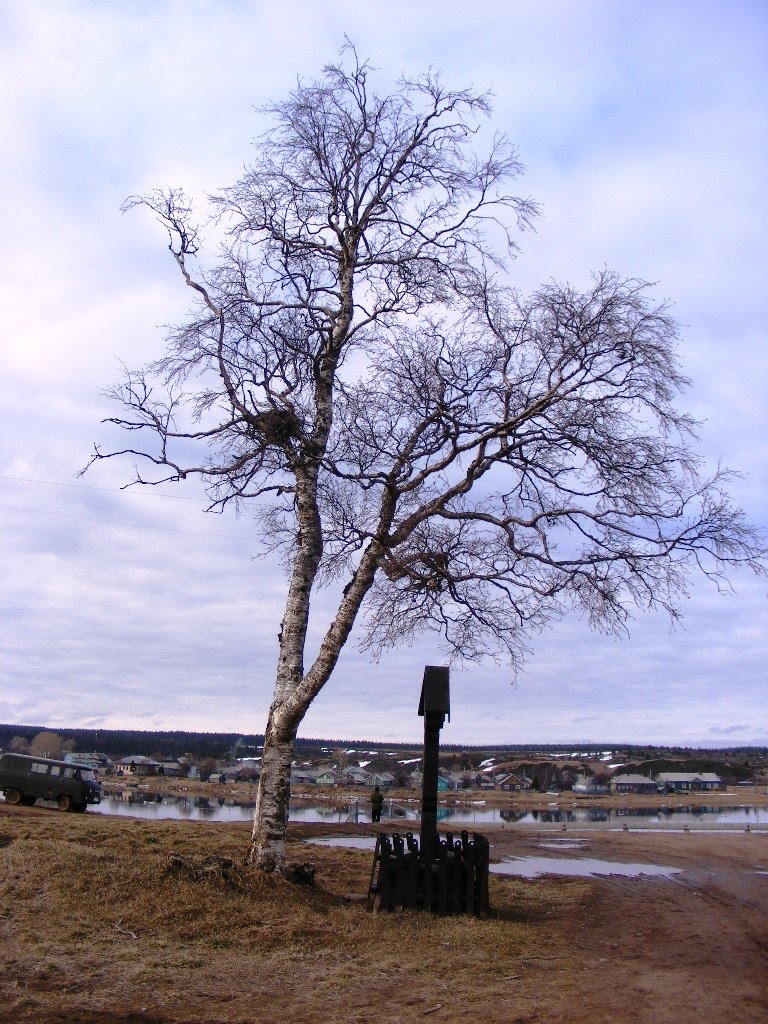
x: 688, y: 782
x: 588, y: 786
x: 354, y: 775
x: 242, y: 771
x: 384, y: 780
x: 632, y: 783
x: 95, y: 760
x: 455, y: 780
x: 470, y: 780
x: 511, y: 782
x: 249, y: 768
x: 448, y: 781
x: 137, y: 764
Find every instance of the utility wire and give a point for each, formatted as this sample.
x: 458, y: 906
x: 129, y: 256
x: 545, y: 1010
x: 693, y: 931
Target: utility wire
x: 113, y: 522
x: 110, y: 490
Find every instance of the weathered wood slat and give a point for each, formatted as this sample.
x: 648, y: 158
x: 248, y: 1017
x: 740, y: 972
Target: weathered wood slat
x: 450, y: 878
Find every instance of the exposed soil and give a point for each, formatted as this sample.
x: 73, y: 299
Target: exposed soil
x: 95, y: 927
x: 692, y: 949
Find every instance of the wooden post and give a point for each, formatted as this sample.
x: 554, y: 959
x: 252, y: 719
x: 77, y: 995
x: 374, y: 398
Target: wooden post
x: 434, y: 705
x: 441, y: 875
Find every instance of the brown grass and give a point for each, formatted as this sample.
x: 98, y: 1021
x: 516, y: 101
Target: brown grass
x: 96, y: 926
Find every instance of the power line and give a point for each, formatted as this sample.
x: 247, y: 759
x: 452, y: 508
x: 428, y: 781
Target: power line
x: 110, y: 490
x: 113, y: 522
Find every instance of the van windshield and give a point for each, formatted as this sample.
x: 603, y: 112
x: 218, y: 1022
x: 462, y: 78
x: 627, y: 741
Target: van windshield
x: 76, y: 772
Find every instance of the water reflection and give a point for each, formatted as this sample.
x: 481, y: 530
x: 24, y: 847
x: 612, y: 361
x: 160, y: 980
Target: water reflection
x: 131, y: 803
x: 157, y: 805
x: 640, y: 817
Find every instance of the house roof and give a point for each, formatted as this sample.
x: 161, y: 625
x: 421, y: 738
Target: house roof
x: 632, y: 778
x: 688, y: 777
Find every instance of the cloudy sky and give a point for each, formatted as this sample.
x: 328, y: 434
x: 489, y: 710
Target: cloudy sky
x: 643, y: 128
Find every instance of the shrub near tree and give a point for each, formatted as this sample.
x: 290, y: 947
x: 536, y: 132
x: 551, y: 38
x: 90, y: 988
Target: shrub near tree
x: 455, y: 455
x: 47, y: 744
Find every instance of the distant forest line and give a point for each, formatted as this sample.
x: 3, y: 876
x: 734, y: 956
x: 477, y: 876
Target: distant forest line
x: 171, y: 744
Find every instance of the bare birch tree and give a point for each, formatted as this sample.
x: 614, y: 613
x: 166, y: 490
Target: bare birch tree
x: 452, y: 455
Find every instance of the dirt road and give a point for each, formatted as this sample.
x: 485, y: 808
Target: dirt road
x: 692, y: 949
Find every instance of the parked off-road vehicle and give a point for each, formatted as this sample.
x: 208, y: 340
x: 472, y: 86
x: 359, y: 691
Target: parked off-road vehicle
x: 25, y: 779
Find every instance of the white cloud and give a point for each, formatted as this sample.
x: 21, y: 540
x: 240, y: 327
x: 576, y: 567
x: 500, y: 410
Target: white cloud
x: 644, y: 131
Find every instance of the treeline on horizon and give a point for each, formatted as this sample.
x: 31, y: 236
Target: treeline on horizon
x: 172, y: 744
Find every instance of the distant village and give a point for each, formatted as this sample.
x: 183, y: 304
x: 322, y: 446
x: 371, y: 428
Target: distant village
x: 407, y: 775
x: 589, y: 772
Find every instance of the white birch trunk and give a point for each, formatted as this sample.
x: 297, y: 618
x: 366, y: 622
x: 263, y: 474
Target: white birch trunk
x: 292, y: 700
x: 294, y: 692
x: 267, y: 850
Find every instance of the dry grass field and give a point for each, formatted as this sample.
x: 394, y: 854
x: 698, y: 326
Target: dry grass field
x: 98, y: 926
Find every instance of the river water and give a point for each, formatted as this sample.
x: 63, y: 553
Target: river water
x: 342, y: 812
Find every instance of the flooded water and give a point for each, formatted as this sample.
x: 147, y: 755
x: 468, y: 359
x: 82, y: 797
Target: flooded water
x: 347, y: 842
x: 199, y: 808
x: 581, y: 867
x: 619, y: 817
x: 561, y: 844
x: 186, y: 808
x: 532, y: 867
x: 196, y: 808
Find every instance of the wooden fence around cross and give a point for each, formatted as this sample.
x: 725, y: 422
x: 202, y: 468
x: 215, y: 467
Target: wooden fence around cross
x: 454, y: 880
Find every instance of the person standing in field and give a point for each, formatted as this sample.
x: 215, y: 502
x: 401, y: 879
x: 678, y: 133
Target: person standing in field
x: 377, y: 802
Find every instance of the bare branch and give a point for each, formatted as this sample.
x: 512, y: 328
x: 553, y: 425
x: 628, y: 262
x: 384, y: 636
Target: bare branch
x: 463, y: 458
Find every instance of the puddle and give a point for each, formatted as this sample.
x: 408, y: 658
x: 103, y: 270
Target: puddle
x: 353, y: 842
x: 561, y: 844
x: 531, y: 867
x: 693, y: 831
x: 582, y: 867
x: 554, y: 840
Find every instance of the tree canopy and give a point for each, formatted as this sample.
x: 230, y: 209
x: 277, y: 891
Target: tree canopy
x: 359, y: 371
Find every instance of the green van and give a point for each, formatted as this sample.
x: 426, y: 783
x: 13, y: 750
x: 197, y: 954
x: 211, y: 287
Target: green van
x: 24, y: 779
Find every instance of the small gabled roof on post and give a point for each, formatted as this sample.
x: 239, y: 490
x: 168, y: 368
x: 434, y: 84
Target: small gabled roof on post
x: 435, y: 691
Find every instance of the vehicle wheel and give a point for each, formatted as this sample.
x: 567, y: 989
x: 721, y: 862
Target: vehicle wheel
x: 13, y: 796
x: 64, y: 802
